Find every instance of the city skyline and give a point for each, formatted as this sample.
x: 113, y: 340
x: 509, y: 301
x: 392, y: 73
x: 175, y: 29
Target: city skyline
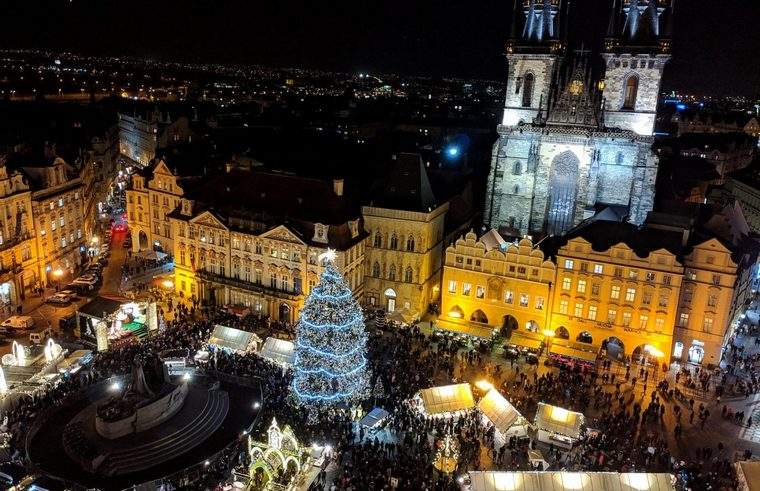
x: 443, y: 39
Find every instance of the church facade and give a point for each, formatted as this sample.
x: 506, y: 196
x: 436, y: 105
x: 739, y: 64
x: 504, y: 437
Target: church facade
x: 575, y: 140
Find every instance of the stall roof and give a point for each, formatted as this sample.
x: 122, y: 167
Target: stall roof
x: 559, y: 420
x: 573, y: 353
x: 575, y: 345
x: 497, y: 409
x: 374, y: 417
x: 447, y: 398
x: 231, y: 338
x: 576, y: 481
x: 100, y: 307
x: 278, y: 350
x: 526, y: 342
x: 750, y: 471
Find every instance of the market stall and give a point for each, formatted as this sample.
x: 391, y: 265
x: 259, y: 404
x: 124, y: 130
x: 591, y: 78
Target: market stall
x: 496, y: 409
x: 569, y: 355
x: 279, y: 351
x: 445, y: 400
x: 558, y: 426
x: 234, y: 340
x: 561, y: 481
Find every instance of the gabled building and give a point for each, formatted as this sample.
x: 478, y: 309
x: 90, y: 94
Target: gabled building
x: 406, y: 226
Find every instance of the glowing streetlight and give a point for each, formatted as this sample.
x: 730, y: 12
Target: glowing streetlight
x: 169, y: 284
x: 58, y: 273
x: 94, y: 240
x: 548, y: 333
x: 484, y: 385
x: 453, y: 152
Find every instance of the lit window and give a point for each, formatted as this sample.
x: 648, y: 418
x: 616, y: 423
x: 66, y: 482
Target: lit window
x: 643, y: 320
x: 579, y: 310
x: 52, y: 225
x: 626, y: 319
x: 509, y: 297
x: 63, y: 241
x: 539, y: 303
x: 615, y: 292
x: 683, y: 320
x: 568, y: 264
x: 466, y: 287
x: 60, y: 202
x: 712, y: 300
x: 52, y: 205
x: 452, y: 284
x: 592, y: 312
x: 598, y: 269
x: 563, y: 305
x: 480, y: 292
x: 581, y: 286
x: 523, y: 300
x: 611, y: 316
x: 659, y: 324
x: 566, y: 284
x: 707, y: 324
x: 630, y: 294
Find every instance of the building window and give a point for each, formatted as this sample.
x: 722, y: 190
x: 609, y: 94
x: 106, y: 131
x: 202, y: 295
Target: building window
x: 566, y: 284
x: 659, y: 324
x: 452, y: 284
x: 687, y: 296
x: 598, y: 269
x: 480, y: 292
x: 378, y: 240
x: 376, y: 270
x: 615, y: 292
x: 707, y: 324
x: 52, y: 225
x: 568, y: 264
x: 408, y: 275
x: 643, y: 320
x: 595, y: 289
x: 630, y: 294
x: 509, y: 297
x: 63, y: 241
x: 618, y: 272
x: 631, y: 90
x: 527, y: 97
x: 633, y: 274
x: 410, y: 244
x: 466, y: 287
x: 581, y: 286
x: 523, y: 300
x: 539, y: 303
x: 716, y: 279
x: 651, y: 277
x: 579, y: 310
x: 712, y: 300
x: 646, y: 298
x: 517, y: 169
x: 691, y: 275
x: 60, y: 202
x: 683, y: 320
x: 592, y: 312
x: 666, y: 279
x: 611, y: 316
x: 626, y: 319
x: 663, y: 302
x: 392, y: 273
x: 394, y: 242
x: 563, y: 305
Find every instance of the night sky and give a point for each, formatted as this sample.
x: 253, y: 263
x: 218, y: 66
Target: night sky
x: 716, y: 47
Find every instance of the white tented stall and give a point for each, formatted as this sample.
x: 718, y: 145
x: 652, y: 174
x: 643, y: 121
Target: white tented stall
x: 562, y: 481
x: 235, y: 340
x: 558, y: 426
x: 446, y: 399
x: 279, y: 351
x: 503, y: 415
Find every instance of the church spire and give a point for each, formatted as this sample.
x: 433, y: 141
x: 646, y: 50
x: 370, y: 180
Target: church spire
x: 515, y: 15
x: 610, y: 41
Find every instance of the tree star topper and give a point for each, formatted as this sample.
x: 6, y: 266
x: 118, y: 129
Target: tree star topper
x: 329, y: 255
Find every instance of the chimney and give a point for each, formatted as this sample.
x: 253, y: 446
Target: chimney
x: 338, y: 187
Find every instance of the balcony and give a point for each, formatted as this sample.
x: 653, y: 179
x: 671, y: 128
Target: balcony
x: 247, y: 285
x: 14, y: 241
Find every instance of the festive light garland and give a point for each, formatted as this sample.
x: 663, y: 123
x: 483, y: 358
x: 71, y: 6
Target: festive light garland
x: 329, y: 365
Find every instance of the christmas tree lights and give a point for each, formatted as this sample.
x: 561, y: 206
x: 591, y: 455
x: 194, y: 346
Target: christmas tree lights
x: 330, y: 367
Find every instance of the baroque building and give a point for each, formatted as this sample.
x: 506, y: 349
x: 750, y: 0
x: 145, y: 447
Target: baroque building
x: 570, y: 142
x: 406, y: 228
x: 238, y: 243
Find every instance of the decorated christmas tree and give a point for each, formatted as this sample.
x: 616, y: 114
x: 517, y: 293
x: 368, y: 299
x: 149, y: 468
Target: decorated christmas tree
x: 330, y: 367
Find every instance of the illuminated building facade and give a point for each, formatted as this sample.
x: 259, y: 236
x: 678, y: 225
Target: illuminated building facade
x: 236, y: 243
x: 138, y: 139
x: 406, y: 227
x: 490, y: 283
x: 570, y: 145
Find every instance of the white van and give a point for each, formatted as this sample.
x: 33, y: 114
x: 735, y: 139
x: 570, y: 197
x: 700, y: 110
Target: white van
x: 40, y: 337
x: 18, y: 322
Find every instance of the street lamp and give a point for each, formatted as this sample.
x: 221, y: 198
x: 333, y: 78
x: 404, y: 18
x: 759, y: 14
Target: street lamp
x: 57, y: 274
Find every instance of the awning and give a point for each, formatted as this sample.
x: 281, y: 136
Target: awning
x: 559, y: 420
x: 151, y: 255
x: 405, y: 316
x: 100, y: 307
x: 573, y: 353
x: 233, y: 339
x: 374, y: 417
x: 523, y: 341
x: 447, y: 399
x: 575, y: 481
x: 278, y: 350
x: 498, y: 410
x: 468, y: 328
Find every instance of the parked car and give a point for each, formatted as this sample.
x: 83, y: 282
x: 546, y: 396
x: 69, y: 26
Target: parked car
x: 58, y: 299
x: 18, y: 322
x: 71, y: 293
x: 40, y: 337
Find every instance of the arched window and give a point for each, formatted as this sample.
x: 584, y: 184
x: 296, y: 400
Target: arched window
x: 631, y: 91
x: 517, y: 169
x: 517, y: 189
x: 392, y: 273
x: 394, y: 242
x: 410, y: 243
x: 378, y: 240
x: 408, y: 275
x: 376, y: 270
x: 528, y: 82
x: 619, y: 158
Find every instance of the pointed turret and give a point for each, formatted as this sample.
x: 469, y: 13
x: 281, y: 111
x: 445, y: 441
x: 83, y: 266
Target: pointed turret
x: 611, y: 39
x: 540, y: 31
